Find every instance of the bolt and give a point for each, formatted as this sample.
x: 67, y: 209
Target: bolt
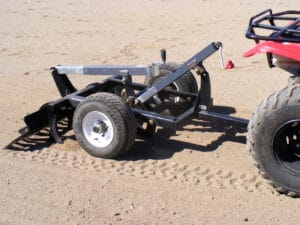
x: 96, y: 130
x: 151, y: 122
x: 100, y: 127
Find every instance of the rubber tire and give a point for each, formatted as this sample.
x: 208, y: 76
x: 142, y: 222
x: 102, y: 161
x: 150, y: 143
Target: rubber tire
x: 117, y: 90
x: 294, y: 80
x: 187, y: 82
x: 121, y: 117
x: 279, y: 108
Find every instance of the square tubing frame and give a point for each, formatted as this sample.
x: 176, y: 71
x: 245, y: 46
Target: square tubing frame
x: 121, y: 73
x: 50, y: 113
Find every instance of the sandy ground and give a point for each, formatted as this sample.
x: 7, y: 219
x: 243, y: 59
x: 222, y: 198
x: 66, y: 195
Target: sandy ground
x: 201, y: 175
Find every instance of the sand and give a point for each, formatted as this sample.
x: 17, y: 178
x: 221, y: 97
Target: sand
x: 201, y: 175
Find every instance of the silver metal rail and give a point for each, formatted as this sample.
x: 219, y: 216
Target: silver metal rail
x: 121, y: 70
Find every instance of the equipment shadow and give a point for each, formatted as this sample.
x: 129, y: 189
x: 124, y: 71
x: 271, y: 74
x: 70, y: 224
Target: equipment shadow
x: 37, y: 141
x: 160, y: 146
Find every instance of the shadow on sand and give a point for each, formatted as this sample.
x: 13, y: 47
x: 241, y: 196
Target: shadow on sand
x: 159, y: 146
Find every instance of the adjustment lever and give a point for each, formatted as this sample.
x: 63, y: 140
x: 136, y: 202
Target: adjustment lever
x: 163, y: 55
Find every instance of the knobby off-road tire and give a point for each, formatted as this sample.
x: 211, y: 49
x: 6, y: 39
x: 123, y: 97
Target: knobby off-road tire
x: 104, y: 125
x: 294, y: 80
x: 274, y: 139
x: 186, y: 83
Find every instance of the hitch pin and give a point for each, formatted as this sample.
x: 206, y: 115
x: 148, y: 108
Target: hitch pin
x: 221, y: 57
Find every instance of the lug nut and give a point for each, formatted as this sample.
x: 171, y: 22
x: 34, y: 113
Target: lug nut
x: 96, y: 129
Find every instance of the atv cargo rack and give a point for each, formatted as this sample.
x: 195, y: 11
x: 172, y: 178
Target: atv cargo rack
x: 269, y: 23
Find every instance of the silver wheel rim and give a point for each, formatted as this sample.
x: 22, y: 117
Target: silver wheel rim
x: 97, y: 129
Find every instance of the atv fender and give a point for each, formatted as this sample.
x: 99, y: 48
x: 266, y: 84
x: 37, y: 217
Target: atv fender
x: 288, y: 50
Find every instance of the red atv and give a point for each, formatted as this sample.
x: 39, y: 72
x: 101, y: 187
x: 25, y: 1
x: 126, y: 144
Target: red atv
x: 274, y: 129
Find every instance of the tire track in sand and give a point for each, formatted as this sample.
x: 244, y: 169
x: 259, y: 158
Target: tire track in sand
x: 149, y: 169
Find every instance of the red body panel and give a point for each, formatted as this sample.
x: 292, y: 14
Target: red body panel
x: 288, y: 50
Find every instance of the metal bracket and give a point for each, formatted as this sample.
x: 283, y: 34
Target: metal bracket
x: 185, y: 67
x: 63, y: 83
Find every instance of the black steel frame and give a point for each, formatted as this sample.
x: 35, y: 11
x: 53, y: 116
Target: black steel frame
x: 139, y: 95
x: 267, y: 20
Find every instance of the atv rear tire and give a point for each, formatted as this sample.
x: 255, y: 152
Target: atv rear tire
x: 293, y: 80
x: 274, y: 139
x: 104, y: 125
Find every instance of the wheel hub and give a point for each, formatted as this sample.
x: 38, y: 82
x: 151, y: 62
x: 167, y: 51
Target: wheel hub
x: 97, y: 129
x: 294, y: 138
x: 100, y: 127
x: 286, y: 146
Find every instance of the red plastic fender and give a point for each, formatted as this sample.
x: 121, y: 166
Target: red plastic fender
x: 285, y: 49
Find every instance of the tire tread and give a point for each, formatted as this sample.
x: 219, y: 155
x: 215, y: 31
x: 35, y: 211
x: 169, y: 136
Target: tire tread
x: 289, y: 95
x: 121, y: 113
